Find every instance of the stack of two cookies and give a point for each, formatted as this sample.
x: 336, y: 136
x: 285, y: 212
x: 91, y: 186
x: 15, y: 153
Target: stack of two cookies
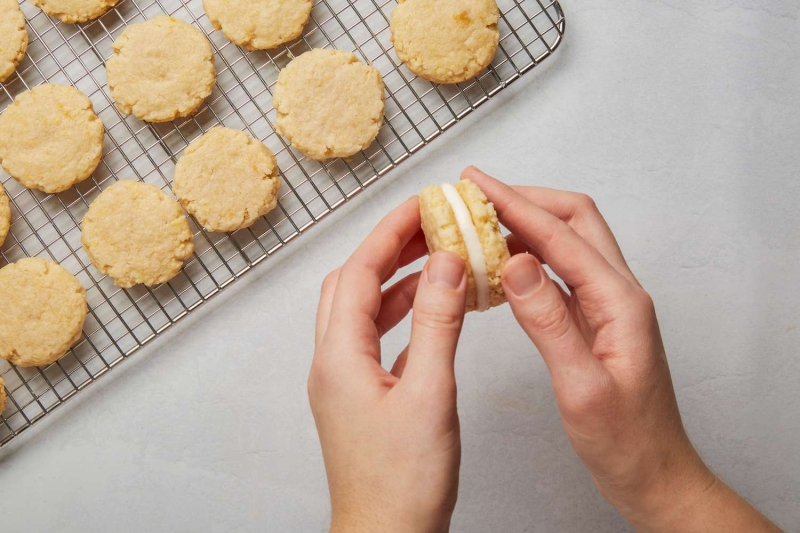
x: 459, y: 219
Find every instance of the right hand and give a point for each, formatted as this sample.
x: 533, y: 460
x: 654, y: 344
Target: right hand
x: 602, y: 346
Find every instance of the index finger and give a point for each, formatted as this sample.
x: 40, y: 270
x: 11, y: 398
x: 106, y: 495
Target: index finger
x: 581, y: 213
x: 572, y: 258
x: 357, y: 299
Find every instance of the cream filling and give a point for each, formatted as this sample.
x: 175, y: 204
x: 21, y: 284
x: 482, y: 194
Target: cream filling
x: 473, y: 243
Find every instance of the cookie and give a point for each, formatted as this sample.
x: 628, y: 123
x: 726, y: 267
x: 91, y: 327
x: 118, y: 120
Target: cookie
x: 5, y: 215
x: 73, y: 11
x: 445, y: 41
x: 2, y: 395
x: 329, y: 104
x: 259, y: 24
x: 161, y: 69
x: 50, y: 138
x: 135, y: 233
x: 43, y: 308
x: 227, y: 180
x: 458, y: 218
x: 13, y: 37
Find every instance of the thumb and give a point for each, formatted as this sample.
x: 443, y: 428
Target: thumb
x: 540, y: 309
x: 437, y: 318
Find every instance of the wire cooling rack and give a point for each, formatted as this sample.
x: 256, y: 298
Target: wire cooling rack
x: 122, y: 321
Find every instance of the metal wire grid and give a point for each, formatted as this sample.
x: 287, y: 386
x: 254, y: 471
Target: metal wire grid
x: 122, y: 321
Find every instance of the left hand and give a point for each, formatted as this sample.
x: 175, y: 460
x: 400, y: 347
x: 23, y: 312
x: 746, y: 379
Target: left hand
x: 390, y: 440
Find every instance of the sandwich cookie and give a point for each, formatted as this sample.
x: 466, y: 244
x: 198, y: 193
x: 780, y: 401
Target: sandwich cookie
x: 458, y: 218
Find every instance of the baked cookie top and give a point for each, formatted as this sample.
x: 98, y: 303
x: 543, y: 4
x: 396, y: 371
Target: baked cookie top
x: 135, y: 233
x: 5, y: 215
x: 227, y: 180
x: 43, y: 308
x: 72, y: 11
x: 329, y: 104
x: 50, y: 138
x: 161, y: 69
x: 259, y: 24
x: 13, y: 37
x: 446, y: 41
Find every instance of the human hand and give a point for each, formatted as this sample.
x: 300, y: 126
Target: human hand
x: 602, y: 346
x: 390, y: 440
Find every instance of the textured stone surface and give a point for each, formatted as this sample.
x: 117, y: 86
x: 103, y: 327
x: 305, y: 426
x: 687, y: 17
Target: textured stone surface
x: 680, y: 118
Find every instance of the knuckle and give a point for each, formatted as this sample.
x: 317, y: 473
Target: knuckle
x: 437, y: 318
x: 585, y: 202
x: 319, y: 380
x: 553, y: 320
x: 642, y: 301
x: 588, y: 400
x: 312, y: 385
x: 581, y: 401
x: 330, y: 280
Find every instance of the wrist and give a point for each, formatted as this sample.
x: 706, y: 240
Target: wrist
x: 671, y: 497
x: 365, y: 520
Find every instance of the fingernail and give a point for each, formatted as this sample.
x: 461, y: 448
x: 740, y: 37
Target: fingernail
x: 479, y: 171
x: 523, y: 279
x: 445, y: 269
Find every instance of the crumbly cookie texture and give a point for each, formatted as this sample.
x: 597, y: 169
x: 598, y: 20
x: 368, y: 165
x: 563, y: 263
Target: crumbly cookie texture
x: 43, y: 308
x: 329, y: 104
x: 135, y: 233
x: 227, y: 180
x: 446, y: 41
x: 162, y: 69
x: 2, y: 396
x: 442, y: 233
x: 494, y: 245
x: 73, y: 11
x: 50, y: 138
x: 5, y: 215
x: 259, y: 24
x: 13, y: 37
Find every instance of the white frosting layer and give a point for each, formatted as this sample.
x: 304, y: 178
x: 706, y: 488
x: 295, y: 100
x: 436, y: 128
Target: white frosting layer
x: 473, y: 243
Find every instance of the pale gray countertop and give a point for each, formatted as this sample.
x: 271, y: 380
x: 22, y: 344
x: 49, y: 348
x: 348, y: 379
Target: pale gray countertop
x: 679, y: 117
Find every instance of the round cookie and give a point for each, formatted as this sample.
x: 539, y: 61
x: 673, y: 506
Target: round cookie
x: 329, y: 104
x: 13, y: 37
x: 50, y: 138
x: 73, y: 11
x: 161, y: 69
x: 259, y: 24
x: 43, y: 308
x: 227, y: 180
x: 135, y: 233
x: 446, y: 41
x: 5, y: 215
x: 443, y: 232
